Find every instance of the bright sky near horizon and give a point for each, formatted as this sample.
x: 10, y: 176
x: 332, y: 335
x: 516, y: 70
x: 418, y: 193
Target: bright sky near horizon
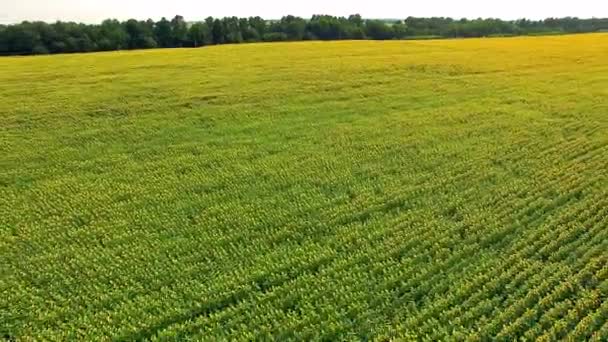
x: 93, y: 11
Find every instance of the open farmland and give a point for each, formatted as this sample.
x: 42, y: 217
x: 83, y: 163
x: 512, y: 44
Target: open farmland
x: 341, y: 191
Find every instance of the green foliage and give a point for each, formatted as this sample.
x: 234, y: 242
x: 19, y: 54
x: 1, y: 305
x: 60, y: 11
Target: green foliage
x: 162, y: 31
x: 218, y: 32
x: 275, y: 37
x: 179, y: 32
x: 377, y: 29
x: 362, y: 190
x: 40, y: 38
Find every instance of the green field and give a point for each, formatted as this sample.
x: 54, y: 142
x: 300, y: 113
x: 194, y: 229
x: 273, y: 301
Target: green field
x: 407, y: 190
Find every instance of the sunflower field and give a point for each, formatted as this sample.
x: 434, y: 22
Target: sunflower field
x: 397, y: 190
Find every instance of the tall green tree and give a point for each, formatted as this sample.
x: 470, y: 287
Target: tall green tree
x: 259, y: 25
x: 293, y: 27
x: 163, y: 33
x: 217, y: 32
x: 140, y: 34
x: 232, y: 30
x: 179, y: 31
x: 197, y: 34
x: 377, y: 29
x: 113, y: 35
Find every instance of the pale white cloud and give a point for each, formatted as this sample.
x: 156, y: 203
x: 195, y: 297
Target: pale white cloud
x: 96, y: 10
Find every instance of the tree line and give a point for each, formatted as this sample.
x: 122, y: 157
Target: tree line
x: 38, y: 37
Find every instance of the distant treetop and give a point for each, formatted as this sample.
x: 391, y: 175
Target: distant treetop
x: 29, y: 38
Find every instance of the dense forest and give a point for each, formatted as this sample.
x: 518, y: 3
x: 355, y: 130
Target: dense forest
x: 64, y: 37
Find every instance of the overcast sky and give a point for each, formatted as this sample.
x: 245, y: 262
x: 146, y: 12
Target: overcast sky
x: 93, y: 11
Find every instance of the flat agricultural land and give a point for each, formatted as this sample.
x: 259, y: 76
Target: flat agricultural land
x: 452, y: 190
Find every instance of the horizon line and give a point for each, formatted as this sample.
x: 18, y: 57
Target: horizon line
x: 91, y: 22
